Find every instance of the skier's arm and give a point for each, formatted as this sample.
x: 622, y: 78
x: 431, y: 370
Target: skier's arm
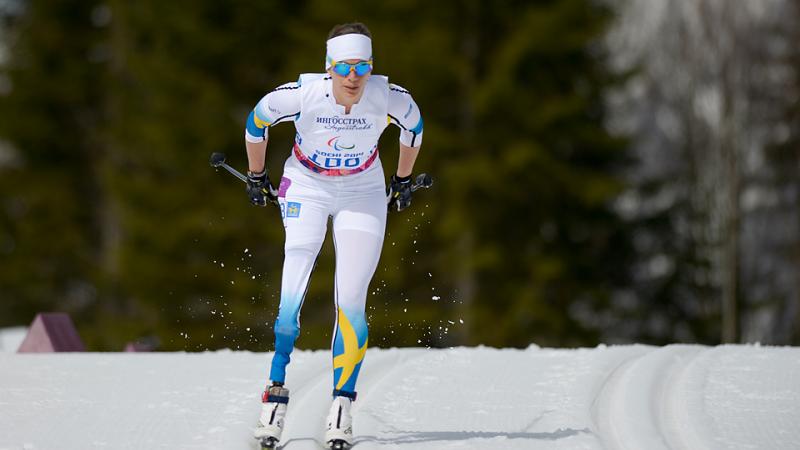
x: 280, y: 105
x: 404, y: 113
x: 405, y: 163
x: 256, y: 155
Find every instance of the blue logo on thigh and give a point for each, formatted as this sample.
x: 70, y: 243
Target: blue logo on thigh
x: 292, y: 209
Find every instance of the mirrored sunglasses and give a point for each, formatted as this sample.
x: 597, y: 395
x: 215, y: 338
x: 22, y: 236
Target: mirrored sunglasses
x: 361, y: 68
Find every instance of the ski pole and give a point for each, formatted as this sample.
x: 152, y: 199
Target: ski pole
x: 423, y: 181
x: 218, y: 160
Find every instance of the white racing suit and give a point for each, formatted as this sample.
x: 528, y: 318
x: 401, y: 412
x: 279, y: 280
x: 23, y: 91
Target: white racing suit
x: 334, y: 171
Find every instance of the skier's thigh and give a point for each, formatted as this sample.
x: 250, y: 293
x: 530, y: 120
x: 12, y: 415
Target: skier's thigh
x: 305, y: 220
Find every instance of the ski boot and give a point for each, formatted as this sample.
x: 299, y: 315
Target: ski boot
x: 270, y: 422
x: 339, y: 435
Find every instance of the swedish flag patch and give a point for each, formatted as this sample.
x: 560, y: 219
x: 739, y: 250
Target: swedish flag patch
x: 293, y: 209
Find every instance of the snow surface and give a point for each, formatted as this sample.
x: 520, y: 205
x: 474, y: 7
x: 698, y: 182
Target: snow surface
x: 619, y: 397
x: 11, y: 338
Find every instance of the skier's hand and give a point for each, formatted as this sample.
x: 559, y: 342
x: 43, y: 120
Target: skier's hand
x: 398, y: 193
x: 260, y: 190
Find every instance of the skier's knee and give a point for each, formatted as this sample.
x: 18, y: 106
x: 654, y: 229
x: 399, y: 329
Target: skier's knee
x: 351, y: 296
x: 306, y: 250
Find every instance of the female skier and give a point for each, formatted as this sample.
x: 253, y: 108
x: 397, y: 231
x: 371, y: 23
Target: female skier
x: 334, y: 170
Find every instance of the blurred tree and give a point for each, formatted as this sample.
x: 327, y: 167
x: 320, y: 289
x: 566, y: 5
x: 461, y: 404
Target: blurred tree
x: 547, y: 243
x: 518, y: 236
x: 191, y: 265
x: 517, y: 242
x: 784, y: 211
x: 53, y: 202
x: 703, y: 108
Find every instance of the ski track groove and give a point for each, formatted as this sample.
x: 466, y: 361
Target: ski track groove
x: 310, y: 398
x: 603, y: 427
x: 366, y: 431
x: 674, y: 422
x: 642, y: 403
x: 307, y: 402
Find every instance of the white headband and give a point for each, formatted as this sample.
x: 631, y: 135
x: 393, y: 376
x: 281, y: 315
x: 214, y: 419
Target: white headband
x: 348, y: 46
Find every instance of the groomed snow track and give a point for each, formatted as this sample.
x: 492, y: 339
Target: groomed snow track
x: 695, y: 397
x: 631, y: 397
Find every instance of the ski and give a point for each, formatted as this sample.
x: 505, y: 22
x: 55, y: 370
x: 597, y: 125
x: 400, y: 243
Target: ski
x: 268, y: 443
x: 339, y: 444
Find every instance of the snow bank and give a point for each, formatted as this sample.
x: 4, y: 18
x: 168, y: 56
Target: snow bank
x: 625, y: 397
x: 11, y: 338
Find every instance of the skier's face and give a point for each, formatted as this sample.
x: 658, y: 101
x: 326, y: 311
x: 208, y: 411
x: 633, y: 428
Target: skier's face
x: 350, y: 87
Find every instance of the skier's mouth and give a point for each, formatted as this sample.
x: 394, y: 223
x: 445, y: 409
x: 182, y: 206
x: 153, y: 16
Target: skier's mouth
x: 352, y: 89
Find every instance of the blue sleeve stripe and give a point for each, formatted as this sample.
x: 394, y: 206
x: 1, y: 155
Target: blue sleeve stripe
x: 253, y: 129
x: 417, y: 129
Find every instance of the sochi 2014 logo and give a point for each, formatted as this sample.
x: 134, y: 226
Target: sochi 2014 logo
x: 336, y: 145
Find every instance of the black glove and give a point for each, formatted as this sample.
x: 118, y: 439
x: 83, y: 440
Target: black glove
x: 399, y: 193
x: 260, y: 190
